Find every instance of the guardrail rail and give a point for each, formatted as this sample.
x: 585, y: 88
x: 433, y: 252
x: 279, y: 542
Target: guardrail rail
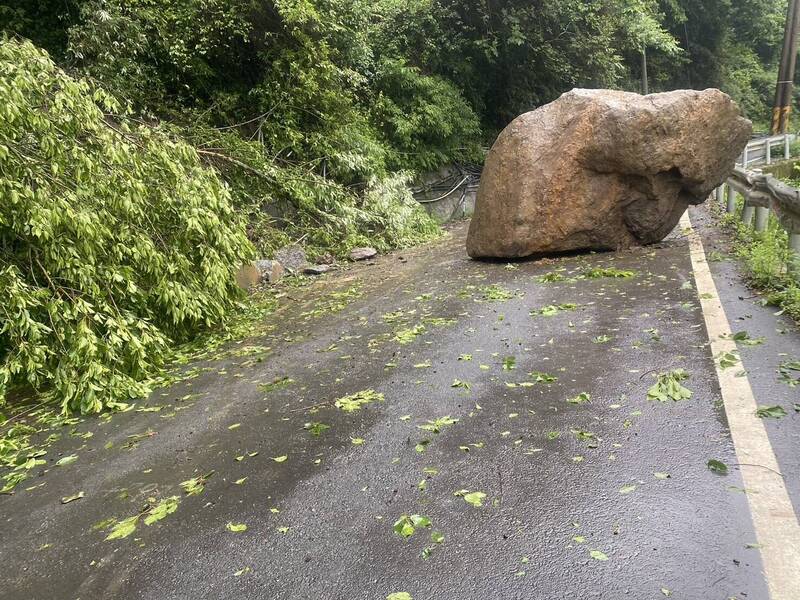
x: 763, y: 193
x: 761, y: 151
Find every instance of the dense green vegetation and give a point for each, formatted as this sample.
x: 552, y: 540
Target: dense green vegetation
x: 177, y: 127
x: 114, y: 239
x: 769, y: 265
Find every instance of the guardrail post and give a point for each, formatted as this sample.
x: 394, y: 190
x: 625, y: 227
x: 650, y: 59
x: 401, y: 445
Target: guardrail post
x: 794, y: 253
x: 720, y: 193
x: 731, y: 207
x: 762, y: 218
x: 747, y: 213
x: 768, y: 151
x: 786, y: 152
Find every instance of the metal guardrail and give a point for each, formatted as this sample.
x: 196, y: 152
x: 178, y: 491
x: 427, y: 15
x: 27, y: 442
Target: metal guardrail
x: 760, y: 151
x: 763, y: 194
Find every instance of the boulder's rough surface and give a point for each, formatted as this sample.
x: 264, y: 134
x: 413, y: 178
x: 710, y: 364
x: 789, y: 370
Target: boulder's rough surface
x: 602, y: 169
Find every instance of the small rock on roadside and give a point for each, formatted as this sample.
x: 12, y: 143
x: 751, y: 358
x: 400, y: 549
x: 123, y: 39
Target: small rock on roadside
x: 270, y: 270
x: 292, y: 257
x: 317, y: 269
x: 248, y: 276
x: 325, y: 259
x: 363, y: 253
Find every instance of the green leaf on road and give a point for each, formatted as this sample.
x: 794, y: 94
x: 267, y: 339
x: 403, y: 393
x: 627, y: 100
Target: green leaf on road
x: 355, y: 401
x: 727, y: 360
x: 786, y: 370
x: 582, y: 434
x: 770, y: 412
x: 437, y: 425
x: 539, y: 377
x: 744, y: 338
x: 607, y: 272
x: 553, y: 309
x: 581, y: 398
x: 668, y: 387
x: 406, y: 525
x: 123, y: 528
x: 475, y: 499
x: 717, y: 466
x: 236, y: 527
x: 195, y: 485
x: 496, y: 293
x: 406, y: 336
x: 316, y: 429
x: 166, y: 506
x: 597, y: 555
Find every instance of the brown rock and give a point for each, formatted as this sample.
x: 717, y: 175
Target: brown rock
x: 248, y: 276
x: 605, y: 170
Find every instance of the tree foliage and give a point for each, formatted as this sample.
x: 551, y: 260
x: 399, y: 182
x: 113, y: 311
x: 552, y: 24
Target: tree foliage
x: 114, y: 239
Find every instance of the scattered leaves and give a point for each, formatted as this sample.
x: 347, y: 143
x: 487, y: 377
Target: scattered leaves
x: 355, y: 401
x: 316, y: 429
x: 437, y: 425
x: 668, y: 387
x: 406, y: 525
x: 553, y: 309
x: 581, y: 398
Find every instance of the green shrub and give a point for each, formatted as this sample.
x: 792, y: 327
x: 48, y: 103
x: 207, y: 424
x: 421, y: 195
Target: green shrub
x: 115, y: 241
x: 768, y: 263
x: 285, y: 202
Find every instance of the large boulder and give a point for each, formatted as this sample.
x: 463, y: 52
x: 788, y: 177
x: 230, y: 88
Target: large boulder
x: 602, y: 169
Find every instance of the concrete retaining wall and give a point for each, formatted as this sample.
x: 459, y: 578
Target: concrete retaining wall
x: 449, y: 193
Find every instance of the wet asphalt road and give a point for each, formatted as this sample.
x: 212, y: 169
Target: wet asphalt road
x: 558, y: 477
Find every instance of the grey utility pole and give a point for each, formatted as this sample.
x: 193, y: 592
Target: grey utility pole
x: 645, y: 86
x: 783, y: 92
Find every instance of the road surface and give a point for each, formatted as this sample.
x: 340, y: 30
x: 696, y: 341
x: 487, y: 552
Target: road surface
x: 514, y: 486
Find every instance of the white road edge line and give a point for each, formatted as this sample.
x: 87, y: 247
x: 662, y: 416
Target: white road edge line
x: 773, y: 517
